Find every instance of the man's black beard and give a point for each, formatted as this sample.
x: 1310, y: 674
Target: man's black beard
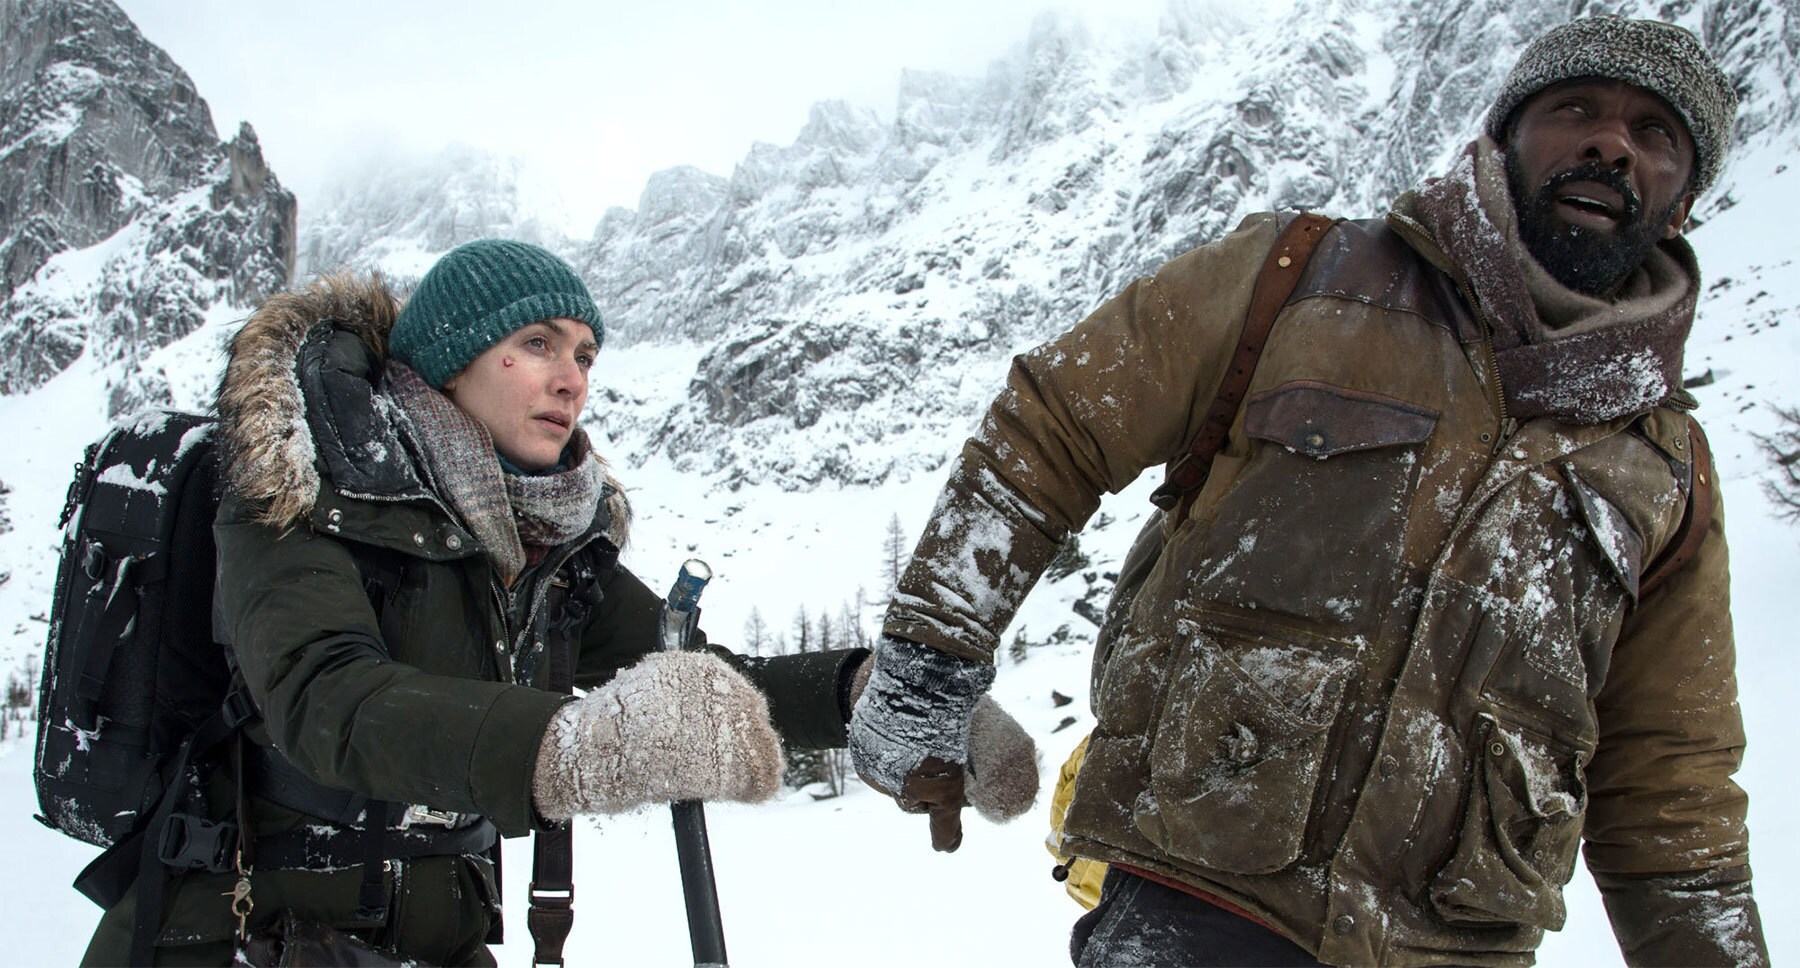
x: 1589, y: 262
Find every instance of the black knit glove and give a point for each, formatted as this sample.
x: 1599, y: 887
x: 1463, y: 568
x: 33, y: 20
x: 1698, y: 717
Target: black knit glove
x: 909, y: 731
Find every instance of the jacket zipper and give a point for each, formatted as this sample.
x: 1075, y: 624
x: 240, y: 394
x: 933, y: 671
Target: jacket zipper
x: 507, y: 598
x: 1508, y: 426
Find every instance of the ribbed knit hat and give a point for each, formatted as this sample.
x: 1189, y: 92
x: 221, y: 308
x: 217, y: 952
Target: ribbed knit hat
x: 1659, y: 57
x: 478, y: 293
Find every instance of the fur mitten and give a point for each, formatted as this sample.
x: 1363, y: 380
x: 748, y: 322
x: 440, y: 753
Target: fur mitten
x: 1003, y: 761
x: 676, y: 726
x: 1003, y: 764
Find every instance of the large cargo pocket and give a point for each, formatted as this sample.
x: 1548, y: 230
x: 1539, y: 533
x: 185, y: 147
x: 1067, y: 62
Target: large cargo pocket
x: 1234, y: 766
x: 1520, y: 832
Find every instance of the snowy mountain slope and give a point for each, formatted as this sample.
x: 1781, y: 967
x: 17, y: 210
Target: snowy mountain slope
x: 866, y: 267
x: 798, y: 348
x: 123, y: 218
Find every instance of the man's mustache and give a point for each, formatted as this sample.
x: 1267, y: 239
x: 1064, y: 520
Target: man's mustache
x: 1598, y: 174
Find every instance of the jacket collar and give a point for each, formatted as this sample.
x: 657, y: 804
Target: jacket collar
x: 301, y: 408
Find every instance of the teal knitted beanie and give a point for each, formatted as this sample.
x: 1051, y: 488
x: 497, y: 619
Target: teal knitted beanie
x: 478, y: 293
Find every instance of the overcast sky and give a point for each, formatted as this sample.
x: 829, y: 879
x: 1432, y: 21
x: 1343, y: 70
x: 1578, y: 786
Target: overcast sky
x: 596, y: 95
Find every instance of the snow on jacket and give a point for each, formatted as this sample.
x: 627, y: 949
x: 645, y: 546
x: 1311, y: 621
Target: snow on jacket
x: 432, y: 701
x: 1394, y: 665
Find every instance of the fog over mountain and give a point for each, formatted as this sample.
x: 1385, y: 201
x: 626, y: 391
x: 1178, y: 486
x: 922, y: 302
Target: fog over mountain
x: 796, y: 347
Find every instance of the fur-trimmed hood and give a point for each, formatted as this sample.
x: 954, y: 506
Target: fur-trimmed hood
x: 301, y: 401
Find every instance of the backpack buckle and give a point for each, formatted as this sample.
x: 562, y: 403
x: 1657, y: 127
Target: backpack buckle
x: 190, y: 843
x: 238, y: 707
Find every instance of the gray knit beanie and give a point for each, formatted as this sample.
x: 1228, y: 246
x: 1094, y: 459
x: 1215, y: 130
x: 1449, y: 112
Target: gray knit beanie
x: 478, y: 293
x: 1661, y: 58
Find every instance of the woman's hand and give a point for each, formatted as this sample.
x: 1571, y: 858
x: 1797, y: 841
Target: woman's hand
x: 676, y: 726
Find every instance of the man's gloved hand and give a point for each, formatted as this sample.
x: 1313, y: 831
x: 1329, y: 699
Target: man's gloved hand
x: 676, y: 726
x: 923, y: 731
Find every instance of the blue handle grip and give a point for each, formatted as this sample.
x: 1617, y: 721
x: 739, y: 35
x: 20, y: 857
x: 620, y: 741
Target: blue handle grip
x: 684, y: 595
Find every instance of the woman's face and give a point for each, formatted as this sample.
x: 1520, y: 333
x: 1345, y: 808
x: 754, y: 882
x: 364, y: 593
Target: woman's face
x: 528, y: 389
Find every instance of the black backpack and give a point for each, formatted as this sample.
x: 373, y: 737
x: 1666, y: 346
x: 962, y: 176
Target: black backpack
x: 131, y: 670
x: 138, y: 696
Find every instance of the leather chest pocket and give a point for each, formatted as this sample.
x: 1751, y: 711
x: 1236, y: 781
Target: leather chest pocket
x: 1313, y: 524
x: 1237, y: 753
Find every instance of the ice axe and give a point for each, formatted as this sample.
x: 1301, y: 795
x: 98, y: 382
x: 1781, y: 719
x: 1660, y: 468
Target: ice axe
x: 706, y: 929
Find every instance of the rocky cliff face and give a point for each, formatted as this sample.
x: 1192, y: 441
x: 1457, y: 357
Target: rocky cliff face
x: 849, y: 281
x: 865, y: 283
x: 123, y: 217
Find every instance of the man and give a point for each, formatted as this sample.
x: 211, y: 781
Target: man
x: 1404, y: 653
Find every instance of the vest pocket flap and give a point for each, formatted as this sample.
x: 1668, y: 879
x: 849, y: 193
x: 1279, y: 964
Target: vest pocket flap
x: 1321, y: 420
x: 1612, y: 532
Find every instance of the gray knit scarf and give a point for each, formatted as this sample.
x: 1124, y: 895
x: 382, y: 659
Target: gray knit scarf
x: 505, y: 512
x: 1560, y: 353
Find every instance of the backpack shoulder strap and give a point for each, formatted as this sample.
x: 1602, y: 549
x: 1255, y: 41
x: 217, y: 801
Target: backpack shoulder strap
x: 1696, y: 520
x: 1274, y: 284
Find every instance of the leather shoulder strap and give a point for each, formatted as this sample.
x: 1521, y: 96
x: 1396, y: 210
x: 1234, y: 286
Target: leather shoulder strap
x: 1274, y: 283
x: 1696, y: 521
x: 550, y: 898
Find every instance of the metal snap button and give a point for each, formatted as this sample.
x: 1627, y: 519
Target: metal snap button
x: 453, y: 542
x: 1315, y: 440
x: 418, y: 539
x: 1343, y: 924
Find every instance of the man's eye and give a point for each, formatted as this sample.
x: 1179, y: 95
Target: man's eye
x: 586, y: 361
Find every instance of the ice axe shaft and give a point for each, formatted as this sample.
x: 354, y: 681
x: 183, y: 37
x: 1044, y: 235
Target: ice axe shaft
x: 693, y: 851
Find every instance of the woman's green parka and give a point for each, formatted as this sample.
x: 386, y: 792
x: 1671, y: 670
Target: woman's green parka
x: 423, y: 692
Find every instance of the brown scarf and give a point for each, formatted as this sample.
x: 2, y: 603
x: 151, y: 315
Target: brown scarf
x: 1560, y: 353
x: 507, y: 512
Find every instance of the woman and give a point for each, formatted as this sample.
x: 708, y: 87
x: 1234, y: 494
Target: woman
x: 414, y: 524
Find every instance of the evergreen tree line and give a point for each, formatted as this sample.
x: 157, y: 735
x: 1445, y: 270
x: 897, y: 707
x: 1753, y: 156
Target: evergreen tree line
x: 18, y: 705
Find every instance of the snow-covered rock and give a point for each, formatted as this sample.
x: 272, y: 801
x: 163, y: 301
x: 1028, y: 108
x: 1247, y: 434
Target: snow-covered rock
x: 123, y: 217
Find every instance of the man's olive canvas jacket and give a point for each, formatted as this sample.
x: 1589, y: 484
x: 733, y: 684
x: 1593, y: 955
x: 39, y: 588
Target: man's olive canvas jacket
x: 1394, y: 667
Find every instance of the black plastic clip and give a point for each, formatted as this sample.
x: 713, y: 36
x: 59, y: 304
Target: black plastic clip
x: 191, y: 843
x: 238, y: 707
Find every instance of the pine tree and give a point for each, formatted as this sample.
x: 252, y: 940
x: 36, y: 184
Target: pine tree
x: 894, y: 553
x: 756, y: 632
x: 802, y: 630
x: 850, y: 632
